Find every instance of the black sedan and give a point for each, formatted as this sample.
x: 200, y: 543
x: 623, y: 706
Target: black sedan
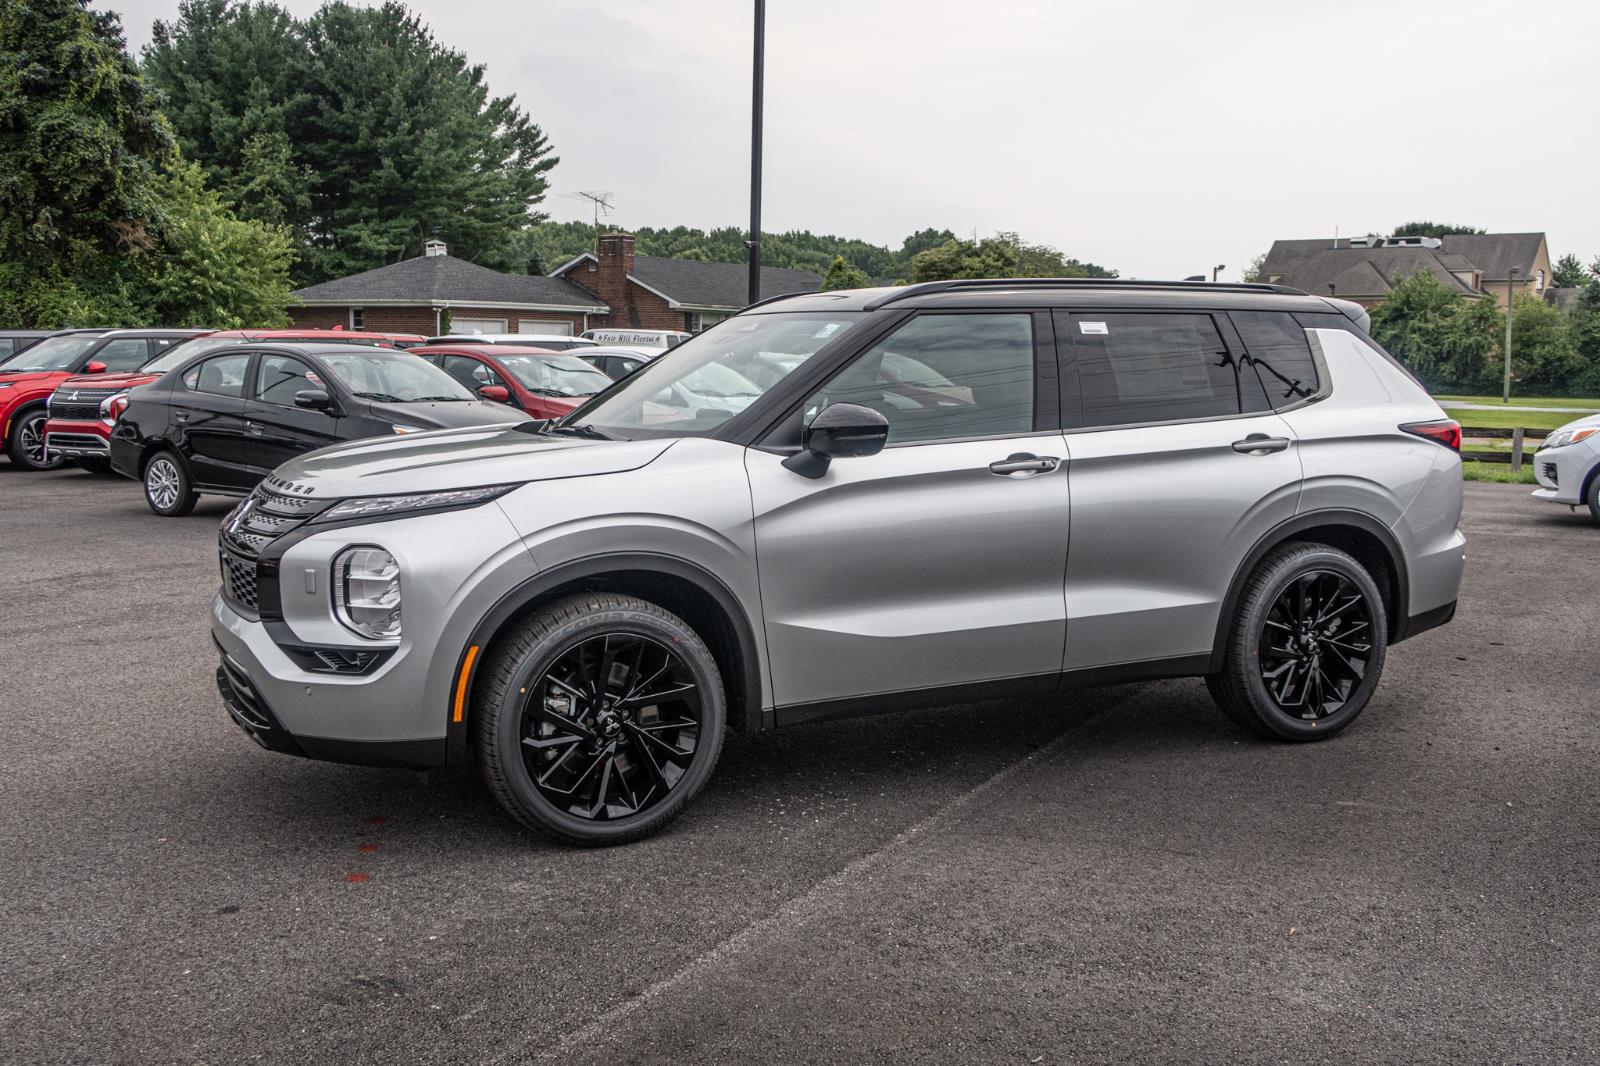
x: 222, y: 421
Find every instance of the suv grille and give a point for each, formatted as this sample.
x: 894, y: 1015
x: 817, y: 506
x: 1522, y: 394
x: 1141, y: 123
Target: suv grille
x: 273, y: 509
x: 78, y: 405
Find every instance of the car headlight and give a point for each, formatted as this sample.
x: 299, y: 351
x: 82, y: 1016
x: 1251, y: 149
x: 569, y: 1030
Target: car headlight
x: 366, y: 592
x: 1570, y: 436
x: 380, y: 506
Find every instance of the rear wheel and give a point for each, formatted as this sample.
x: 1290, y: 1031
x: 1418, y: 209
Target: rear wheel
x: 1307, y: 645
x: 167, y: 488
x: 26, y: 442
x: 598, y: 719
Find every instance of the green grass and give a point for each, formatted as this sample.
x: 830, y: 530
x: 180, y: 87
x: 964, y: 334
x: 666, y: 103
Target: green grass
x: 1526, y: 401
x: 1498, y: 472
x: 1510, y: 419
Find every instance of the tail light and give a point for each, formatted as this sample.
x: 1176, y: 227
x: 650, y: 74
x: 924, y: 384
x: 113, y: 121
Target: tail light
x: 112, y: 407
x: 1446, y: 431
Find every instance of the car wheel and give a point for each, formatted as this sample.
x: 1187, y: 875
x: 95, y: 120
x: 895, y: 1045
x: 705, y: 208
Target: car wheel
x: 167, y: 488
x: 98, y: 467
x: 598, y: 719
x: 1307, y: 645
x: 1594, y: 496
x: 26, y: 443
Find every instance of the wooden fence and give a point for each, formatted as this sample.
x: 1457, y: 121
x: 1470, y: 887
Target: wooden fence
x: 1515, y: 455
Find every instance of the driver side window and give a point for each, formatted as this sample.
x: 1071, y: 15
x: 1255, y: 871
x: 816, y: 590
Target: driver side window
x: 942, y: 377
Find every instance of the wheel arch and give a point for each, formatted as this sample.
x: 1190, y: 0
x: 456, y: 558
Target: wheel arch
x: 1361, y: 535
x: 690, y: 591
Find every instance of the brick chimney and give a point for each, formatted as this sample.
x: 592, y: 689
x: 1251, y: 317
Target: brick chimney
x: 615, y: 253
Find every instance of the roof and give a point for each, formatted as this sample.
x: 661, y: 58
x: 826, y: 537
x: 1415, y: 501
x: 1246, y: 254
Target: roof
x: 1496, y: 253
x: 721, y: 286
x: 444, y: 280
x: 1317, y: 263
x: 1072, y: 294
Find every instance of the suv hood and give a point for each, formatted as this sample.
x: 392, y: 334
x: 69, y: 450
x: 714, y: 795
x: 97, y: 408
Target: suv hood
x: 31, y: 377
x: 458, y: 459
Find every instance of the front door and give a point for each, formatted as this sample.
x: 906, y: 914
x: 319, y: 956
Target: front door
x: 278, y: 429
x: 208, y: 421
x: 1172, y: 484
x: 929, y: 564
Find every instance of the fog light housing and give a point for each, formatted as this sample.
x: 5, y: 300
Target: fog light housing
x: 366, y: 592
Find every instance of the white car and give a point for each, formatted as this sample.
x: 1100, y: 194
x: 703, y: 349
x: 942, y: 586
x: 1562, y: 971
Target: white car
x: 553, y: 342
x: 1567, y: 465
x: 638, y: 338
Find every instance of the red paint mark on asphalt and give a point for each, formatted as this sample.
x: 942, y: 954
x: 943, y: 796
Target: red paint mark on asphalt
x: 367, y: 847
x: 376, y: 819
x: 357, y: 878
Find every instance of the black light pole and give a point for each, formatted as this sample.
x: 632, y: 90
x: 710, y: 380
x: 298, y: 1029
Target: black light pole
x: 755, y: 156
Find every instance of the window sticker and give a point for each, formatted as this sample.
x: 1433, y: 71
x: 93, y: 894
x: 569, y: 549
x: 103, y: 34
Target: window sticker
x: 1092, y: 327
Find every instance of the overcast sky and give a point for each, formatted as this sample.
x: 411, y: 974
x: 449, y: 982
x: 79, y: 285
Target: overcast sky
x: 1160, y: 137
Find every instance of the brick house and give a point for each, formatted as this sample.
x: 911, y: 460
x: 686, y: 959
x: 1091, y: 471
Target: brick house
x: 1364, y: 269
x: 414, y: 295
x: 648, y: 292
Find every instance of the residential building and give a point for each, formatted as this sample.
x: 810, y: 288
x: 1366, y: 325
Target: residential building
x: 1364, y: 269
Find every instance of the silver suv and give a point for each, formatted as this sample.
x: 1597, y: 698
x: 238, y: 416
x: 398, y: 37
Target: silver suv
x: 851, y: 502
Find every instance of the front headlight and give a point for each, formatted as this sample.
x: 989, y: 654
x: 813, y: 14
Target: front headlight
x: 381, y: 506
x: 366, y: 591
x: 1565, y: 437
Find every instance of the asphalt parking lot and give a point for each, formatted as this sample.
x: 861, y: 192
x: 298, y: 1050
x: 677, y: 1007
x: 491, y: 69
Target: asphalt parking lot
x: 1116, y: 876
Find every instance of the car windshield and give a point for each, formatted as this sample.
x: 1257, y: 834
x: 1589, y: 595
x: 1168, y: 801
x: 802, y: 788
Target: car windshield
x: 697, y: 386
x: 387, y: 376
x: 52, y: 353
x: 555, y: 375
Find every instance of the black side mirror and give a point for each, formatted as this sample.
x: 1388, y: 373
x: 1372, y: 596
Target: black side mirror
x: 313, y: 399
x: 841, y: 430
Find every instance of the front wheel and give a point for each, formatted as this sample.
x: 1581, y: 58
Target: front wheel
x: 167, y: 488
x: 1307, y: 645
x: 1594, y: 496
x: 26, y: 442
x: 598, y: 719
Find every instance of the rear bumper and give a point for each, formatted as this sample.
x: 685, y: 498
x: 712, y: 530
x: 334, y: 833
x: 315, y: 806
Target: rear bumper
x: 77, y: 440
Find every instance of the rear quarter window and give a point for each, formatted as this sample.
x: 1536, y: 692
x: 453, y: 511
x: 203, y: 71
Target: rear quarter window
x: 1277, y: 369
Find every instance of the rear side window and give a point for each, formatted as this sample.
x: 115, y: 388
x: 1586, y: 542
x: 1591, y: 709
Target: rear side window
x: 222, y: 376
x: 1136, y: 368
x: 1277, y: 369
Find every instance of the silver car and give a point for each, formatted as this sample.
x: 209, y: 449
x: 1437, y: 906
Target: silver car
x: 917, y: 496
x: 1567, y: 466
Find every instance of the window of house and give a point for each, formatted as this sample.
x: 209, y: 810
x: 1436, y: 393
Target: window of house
x: 358, y: 318
x: 222, y: 376
x: 1539, y: 286
x: 941, y: 377
x: 1136, y: 368
x: 1277, y: 369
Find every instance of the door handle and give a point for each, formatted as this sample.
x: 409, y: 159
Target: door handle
x: 180, y: 416
x: 254, y: 427
x: 1260, y: 444
x: 1024, y: 463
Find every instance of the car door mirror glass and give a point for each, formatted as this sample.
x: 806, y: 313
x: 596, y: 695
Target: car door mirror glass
x: 840, y: 430
x: 313, y: 399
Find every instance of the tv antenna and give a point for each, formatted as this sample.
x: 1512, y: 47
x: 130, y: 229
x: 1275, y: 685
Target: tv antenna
x: 603, y: 202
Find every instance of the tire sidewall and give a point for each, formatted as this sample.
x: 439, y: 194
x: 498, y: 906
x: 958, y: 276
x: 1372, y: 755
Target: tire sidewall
x: 18, y: 452
x: 1274, y: 717
x: 508, y: 720
x: 184, y: 489
x: 1594, y: 495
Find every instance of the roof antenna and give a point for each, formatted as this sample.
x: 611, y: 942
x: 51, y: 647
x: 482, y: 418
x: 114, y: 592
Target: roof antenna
x: 603, y: 202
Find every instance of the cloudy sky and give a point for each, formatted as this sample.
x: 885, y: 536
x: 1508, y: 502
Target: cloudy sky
x: 1160, y: 137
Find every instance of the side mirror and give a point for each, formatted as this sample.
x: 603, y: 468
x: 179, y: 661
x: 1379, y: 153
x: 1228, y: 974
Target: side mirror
x: 313, y: 399
x: 841, y: 430
x: 495, y: 394
x: 94, y: 366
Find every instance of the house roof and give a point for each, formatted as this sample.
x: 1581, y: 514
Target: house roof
x: 1496, y: 253
x: 445, y: 280
x: 691, y: 283
x: 1315, y: 264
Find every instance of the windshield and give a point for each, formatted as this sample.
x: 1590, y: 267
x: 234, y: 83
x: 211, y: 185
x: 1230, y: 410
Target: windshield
x: 561, y: 375
x: 52, y: 353
x: 700, y: 384
x: 389, y: 377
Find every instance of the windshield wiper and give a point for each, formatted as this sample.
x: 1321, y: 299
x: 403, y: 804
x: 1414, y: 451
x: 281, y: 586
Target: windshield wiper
x: 582, y: 429
x: 444, y: 399
x: 381, y: 397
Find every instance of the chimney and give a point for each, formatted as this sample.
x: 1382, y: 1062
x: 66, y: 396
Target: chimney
x: 615, y: 252
x: 433, y: 248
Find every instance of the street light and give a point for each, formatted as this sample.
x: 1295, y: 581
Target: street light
x: 1219, y: 268
x: 1511, y: 298
x: 755, y: 154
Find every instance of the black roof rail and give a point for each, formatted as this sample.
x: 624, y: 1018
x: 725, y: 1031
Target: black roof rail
x: 927, y: 287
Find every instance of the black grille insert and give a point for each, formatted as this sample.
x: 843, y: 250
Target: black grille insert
x: 239, y: 580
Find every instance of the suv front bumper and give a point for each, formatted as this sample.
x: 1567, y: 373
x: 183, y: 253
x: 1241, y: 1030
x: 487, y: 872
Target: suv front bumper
x: 77, y: 440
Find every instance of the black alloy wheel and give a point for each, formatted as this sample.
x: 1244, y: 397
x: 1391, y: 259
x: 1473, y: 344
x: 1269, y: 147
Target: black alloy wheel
x: 1315, y: 644
x: 26, y: 446
x: 1306, y: 645
x: 611, y: 727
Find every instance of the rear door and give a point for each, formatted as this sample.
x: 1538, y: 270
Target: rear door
x: 1173, y: 481
x: 208, y: 422
x: 278, y: 430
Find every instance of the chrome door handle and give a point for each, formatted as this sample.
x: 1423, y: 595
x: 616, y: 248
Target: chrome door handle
x: 180, y: 417
x: 254, y: 427
x: 1024, y: 463
x: 1260, y: 444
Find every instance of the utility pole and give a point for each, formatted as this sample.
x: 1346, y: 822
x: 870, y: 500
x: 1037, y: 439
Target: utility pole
x: 1511, y: 299
x: 755, y: 154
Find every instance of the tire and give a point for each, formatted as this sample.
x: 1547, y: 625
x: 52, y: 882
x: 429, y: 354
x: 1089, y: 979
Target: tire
x: 556, y: 657
x: 25, y: 443
x: 1323, y: 677
x: 167, y: 488
x: 1593, y: 496
x: 94, y: 465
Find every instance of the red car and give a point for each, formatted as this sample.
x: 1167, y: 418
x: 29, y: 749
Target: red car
x: 28, y: 378
x: 543, y: 383
x: 82, y: 410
